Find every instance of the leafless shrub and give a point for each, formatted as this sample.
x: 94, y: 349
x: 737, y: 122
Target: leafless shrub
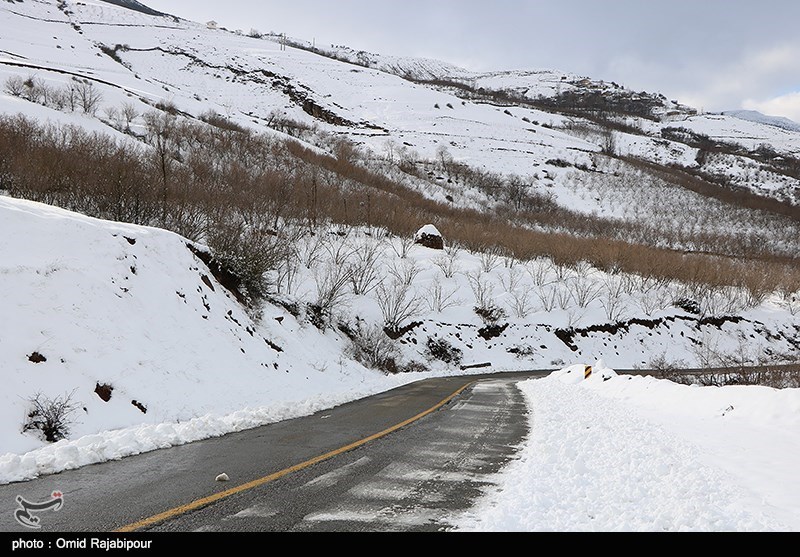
x: 405, y: 272
x: 443, y: 350
x: 51, y: 417
x: 485, y: 304
x: 310, y: 250
x: 448, y: 264
x: 574, y: 316
x: 366, y: 269
x: 790, y: 300
x: 249, y: 250
x: 113, y: 117
x: 491, y: 257
x: 402, y: 246
x: 439, y: 298
x: 129, y: 114
x: 287, y: 273
x: 563, y: 296
x: 612, y: 299
x: 561, y: 271
x: 224, y: 123
x: 582, y: 286
x: 32, y: 89
x: 547, y: 297
x: 331, y: 282
x: 539, y: 271
x: 664, y: 367
x: 521, y: 301
x: 651, y: 300
x: 15, y: 86
x: 520, y: 294
x: 371, y: 347
x: 339, y: 252
x: 398, y: 303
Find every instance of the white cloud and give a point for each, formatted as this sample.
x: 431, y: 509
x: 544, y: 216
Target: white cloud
x: 757, y: 75
x: 785, y: 105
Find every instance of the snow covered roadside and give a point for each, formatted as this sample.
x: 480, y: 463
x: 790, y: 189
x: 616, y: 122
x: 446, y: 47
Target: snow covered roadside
x: 117, y: 444
x: 635, y: 454
x: 149, y: 346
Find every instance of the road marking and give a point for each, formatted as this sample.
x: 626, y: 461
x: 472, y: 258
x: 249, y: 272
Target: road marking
x: 206, y: 501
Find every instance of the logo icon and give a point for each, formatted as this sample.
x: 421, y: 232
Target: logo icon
x: 25, y: 515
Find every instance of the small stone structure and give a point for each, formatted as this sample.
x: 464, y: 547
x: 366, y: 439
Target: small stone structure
x: 430, y: 237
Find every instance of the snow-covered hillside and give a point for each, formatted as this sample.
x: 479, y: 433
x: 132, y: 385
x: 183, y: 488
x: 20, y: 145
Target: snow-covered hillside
x: 133, y: 326
x: 143, y: 60
x: 132, y: 314
x: 130, y: 327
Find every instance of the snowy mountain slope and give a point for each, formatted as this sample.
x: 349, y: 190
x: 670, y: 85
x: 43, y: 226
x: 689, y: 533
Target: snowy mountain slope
x: 640, y: 128
x: 134, y: 5
x: 755, y: 116
x: 89, y: 303
x: 145, y: 60
x: 248, y: 79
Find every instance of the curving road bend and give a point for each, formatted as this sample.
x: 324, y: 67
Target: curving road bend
x: 403, y: 460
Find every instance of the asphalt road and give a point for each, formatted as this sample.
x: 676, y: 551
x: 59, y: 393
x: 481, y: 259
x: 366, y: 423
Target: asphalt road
x: 362, y: 466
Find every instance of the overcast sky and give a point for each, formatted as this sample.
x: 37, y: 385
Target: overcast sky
x: 711, y: 54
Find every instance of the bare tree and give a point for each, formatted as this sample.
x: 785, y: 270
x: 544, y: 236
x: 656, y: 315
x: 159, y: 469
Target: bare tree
x: 113, y: 117
x: 32, y: 89
x: 521, y: 301
x: 520, y: 294
x: 652, y: 300
x: 331, y: 281
x: 162, y: 135
x: 481, y: 289
x: 398, y: 303
x: 402, y: 246
x: 448, y: 264
x: 366, y: 269
x: 613, y: 300
x: 539, y: 271
x: 444, y: 159
x: 405, y: 273
x: 89, y: 98
x: 15, y: 86
x: 583, y: 287
x: 439, y: 299
x: 491, y: 258
x: 548, y: 296
x: 129, y: 114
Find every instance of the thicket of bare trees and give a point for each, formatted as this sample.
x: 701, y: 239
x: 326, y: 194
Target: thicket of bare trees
x: 79, y: 95
x: 248, y: 196
x: 265, y: 205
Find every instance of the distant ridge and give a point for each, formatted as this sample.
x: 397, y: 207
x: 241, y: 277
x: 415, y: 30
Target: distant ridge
x: 754, y: 116
x: 136, y: 6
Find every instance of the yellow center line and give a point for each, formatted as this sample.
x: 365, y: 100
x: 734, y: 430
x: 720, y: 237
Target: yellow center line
x: 205, y: 501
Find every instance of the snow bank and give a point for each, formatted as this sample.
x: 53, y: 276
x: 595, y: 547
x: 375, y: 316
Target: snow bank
x: 608, y: 454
